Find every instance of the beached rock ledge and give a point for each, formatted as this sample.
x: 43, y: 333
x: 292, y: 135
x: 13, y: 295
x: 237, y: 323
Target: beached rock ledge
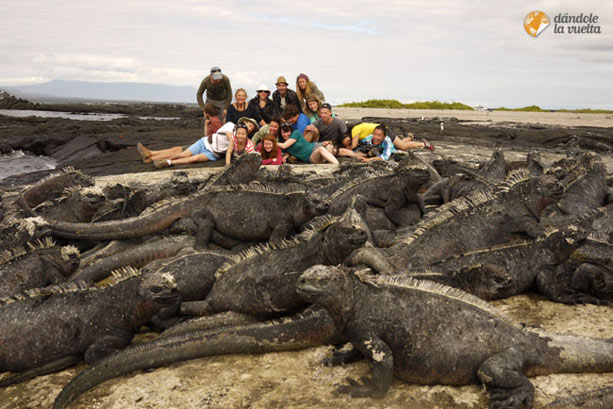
x: 296, y: 379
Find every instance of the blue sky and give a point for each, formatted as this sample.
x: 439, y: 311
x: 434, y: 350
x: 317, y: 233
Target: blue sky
x: 475, y: 52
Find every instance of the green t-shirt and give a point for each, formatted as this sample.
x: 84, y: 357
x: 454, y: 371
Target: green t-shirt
x: 302, y: 149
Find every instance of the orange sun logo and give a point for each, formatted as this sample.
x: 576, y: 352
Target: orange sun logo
x: 535, y: 22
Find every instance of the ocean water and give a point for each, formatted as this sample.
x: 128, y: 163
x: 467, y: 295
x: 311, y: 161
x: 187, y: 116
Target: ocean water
x: 24, y: 113
x: 18, y: 162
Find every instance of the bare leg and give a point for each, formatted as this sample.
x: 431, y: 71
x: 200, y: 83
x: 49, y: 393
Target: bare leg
x: 181, y: 159
x: 406, y: 144
x: 189, y: 158
x: 166, y: 153
x: 350, y: 153
x: 321, y: 155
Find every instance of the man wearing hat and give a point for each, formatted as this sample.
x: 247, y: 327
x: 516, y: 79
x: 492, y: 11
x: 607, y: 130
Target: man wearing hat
x: 263, y: 104
x: 218, y: 91
x: 284, y: 96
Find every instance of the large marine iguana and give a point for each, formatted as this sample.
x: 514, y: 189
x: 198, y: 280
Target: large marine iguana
x: 40, y: 264
x: 479, y: 220
x: 262, y: 280
x: 43, y: 325
x: 428, y: 333
x: 389, y: 191
x: 272, y: 214
x: 508, y: 269
x: 311, y: 328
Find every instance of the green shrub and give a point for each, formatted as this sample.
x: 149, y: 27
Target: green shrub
x: 395, y: 104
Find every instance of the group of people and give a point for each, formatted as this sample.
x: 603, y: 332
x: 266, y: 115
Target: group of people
x: 287, y: 127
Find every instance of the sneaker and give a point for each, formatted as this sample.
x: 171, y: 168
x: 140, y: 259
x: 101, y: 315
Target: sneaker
x: 427, y: 145
x: 161, y: 163
x: 144, y: 152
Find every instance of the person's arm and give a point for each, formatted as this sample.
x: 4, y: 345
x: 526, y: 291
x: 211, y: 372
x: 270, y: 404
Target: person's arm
x: 302, y: 123
x: 315, y: 90
x: 228, y: 99
x: 230, y: 147
x: 201, y: 89
x: 286, y: 144
x: 279, y: 158
x: 370, y: 159
x: 387, y: 149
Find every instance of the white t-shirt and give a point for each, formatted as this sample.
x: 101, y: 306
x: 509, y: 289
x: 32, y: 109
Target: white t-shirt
x: 220, y: 139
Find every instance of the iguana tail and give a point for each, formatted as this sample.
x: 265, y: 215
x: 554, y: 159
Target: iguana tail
x: 299, y: 332
x: 581, y: 354
x: 121, y: 229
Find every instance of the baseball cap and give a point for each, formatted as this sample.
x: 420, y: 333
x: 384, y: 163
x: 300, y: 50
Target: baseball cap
x: 216, y: 73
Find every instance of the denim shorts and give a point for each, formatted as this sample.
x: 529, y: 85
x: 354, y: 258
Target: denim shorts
x: 199, y: 147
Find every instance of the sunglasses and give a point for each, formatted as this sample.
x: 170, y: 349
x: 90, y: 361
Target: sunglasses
x: 242, y: 126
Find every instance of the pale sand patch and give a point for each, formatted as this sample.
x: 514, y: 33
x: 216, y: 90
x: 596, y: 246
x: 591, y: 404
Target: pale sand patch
x: 545, y: 118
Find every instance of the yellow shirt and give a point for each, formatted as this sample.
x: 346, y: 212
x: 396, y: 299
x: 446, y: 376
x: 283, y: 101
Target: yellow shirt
x: 363, y: 130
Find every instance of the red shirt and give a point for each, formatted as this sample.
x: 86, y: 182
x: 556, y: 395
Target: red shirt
x: 214, y: 125
x: 273, y: 161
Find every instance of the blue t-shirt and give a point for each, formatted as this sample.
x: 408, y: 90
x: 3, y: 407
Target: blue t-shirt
x: 301, y: 123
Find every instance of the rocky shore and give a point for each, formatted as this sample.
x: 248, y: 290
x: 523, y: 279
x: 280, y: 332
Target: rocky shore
x: 107, y: 151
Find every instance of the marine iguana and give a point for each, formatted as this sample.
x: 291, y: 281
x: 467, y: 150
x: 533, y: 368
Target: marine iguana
x: 585, y: 277
x: 389, y: 191
x: 43, y: 325
x: 40, y: 264
x: 273, y: 214
x: 457, y: 180
x: 428, y: 333
x: 135, y: 256
x: 50, y: 188
x: 586, y: 188
x: 262, y: 280
x: 479, y: 220
x: 311, y: 328
x: 507, y: 269
x: 194, y: 272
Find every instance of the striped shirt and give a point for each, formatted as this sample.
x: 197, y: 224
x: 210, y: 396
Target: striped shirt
x: 387, y: 145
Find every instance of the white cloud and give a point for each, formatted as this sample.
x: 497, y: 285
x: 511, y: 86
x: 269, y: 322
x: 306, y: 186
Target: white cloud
x: 354, y: 50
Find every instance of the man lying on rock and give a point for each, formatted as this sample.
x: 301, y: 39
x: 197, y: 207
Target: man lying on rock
x: 377, y: 145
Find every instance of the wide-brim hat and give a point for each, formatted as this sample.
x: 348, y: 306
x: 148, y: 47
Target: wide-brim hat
x: 281, y: 80
x: 263, y: 87
x: 245, y: 119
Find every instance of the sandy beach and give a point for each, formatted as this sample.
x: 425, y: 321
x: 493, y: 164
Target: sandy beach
x: 543, y: 118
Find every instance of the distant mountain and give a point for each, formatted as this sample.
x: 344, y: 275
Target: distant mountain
x: 108, y: 91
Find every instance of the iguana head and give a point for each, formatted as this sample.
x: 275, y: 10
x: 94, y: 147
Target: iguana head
x: 160, y: 288
x: 540, y: 192
x: 345, y: 236
x: 71, y: 258
x: 329, y: 287
x: 304, y: 207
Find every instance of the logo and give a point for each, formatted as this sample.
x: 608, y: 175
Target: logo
x: 536, y: 22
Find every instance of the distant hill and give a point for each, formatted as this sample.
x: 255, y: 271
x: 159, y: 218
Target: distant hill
x: 107, y: 91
